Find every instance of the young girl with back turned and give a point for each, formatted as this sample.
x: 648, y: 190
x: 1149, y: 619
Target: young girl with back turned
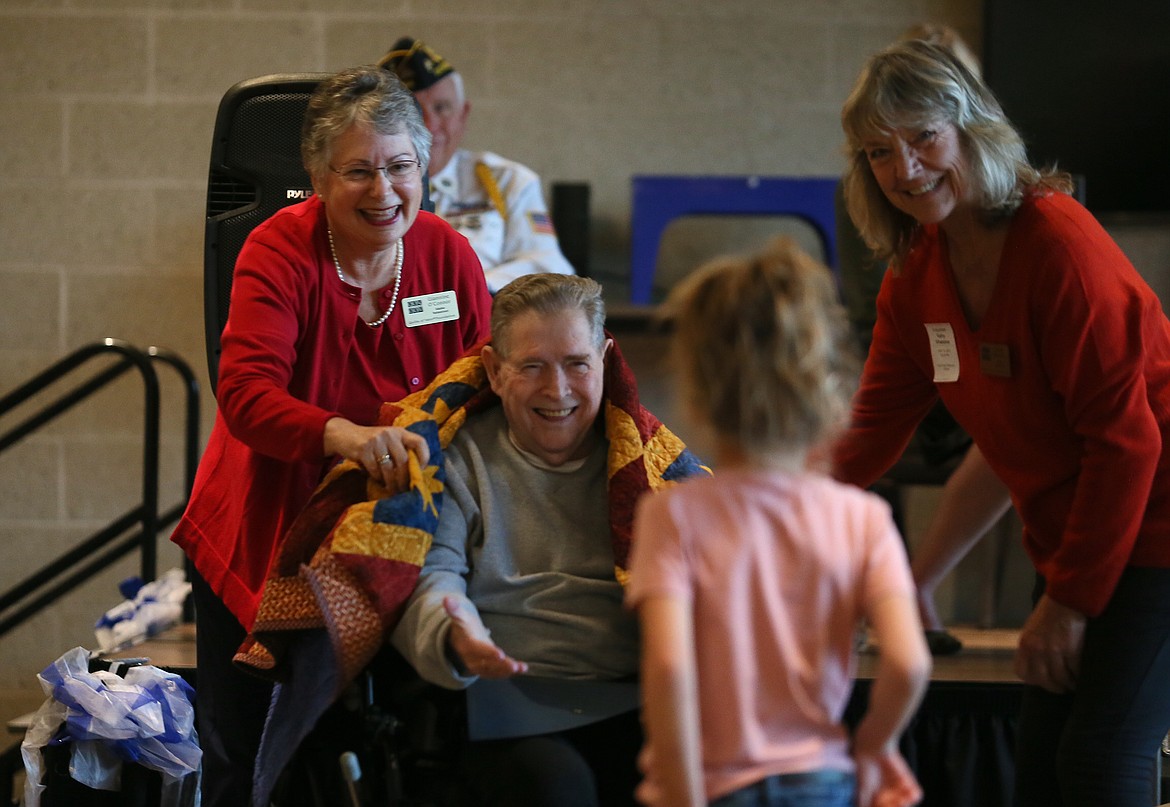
x: 750, y: 585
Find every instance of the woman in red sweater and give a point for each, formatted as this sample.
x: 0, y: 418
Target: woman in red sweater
x: 349, y: 299
x: 1007, y: 300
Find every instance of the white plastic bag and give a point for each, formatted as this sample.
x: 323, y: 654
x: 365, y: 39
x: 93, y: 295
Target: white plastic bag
x: 147, y: 718
x: 148, y: 610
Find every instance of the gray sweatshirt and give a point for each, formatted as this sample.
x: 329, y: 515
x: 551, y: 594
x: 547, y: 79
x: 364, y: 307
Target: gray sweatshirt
x: 529, y: 547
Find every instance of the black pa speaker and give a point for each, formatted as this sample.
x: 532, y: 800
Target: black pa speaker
x: 570, y: 216
x: 255, y: 170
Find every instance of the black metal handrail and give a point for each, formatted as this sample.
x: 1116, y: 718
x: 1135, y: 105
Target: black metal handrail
x: 110, y: 543
x: 190, y: 452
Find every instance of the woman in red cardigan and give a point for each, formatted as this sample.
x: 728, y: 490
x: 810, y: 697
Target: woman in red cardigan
x: 1007, y: 300
x: 349, y: 299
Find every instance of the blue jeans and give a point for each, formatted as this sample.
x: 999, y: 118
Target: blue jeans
x: 1099, y: 745
x: 825, y: 788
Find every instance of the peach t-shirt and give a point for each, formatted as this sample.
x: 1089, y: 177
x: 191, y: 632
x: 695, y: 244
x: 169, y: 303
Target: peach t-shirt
x: 781, y: 569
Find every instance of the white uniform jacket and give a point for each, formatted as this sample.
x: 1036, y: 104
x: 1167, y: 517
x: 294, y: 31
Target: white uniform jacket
x: 499, y: 206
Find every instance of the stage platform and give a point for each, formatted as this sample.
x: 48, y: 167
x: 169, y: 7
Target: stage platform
x: 961, y: 742
x: 172, y: 650
x: 987, y: 657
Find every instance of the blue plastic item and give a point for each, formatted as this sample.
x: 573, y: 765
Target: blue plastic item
x: 658, y: 200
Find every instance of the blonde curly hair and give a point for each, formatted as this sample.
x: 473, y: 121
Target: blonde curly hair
x: 763, y: 350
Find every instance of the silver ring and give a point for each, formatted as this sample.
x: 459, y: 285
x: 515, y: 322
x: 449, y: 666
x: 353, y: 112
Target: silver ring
x: 386, y: 459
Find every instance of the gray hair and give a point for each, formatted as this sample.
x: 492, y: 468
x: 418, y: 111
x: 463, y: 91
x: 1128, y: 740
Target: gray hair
x: 547, y: 294
x: 918, y: 84
x: 368, y: 95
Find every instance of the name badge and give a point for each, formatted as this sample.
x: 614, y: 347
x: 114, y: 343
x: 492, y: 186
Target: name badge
x: 427, y: 309
x: 943, y: 352
x: 995, y: 360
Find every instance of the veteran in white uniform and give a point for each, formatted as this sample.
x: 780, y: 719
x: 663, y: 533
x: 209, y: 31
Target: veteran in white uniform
x: 496, y: 203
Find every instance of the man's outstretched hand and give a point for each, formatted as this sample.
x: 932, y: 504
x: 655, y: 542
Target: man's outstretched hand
x: 473, y: 648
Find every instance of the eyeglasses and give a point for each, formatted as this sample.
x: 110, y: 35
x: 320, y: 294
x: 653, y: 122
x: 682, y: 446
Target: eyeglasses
x: 396, y: 172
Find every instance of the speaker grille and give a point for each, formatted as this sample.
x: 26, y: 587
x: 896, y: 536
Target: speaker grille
x: 267, y: 139
x: 255, y: 170
x: 259, y: 155
x: 225, y: 193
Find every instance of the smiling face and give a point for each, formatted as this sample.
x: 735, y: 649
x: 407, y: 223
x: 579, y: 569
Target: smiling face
x: 550, y: 379
x: 369, y: 216
x: 920, y: 169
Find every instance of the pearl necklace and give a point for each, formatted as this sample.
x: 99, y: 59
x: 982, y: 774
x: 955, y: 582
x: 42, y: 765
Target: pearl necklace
x: 398, y: 249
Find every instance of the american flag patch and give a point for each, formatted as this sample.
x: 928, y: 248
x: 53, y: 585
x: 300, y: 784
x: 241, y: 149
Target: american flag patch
x: 541, y: 223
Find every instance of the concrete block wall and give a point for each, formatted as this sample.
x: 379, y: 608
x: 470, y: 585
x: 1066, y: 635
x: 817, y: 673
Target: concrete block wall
x: 106, y: 115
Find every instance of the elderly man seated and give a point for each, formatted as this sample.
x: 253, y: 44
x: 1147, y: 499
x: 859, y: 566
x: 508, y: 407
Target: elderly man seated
x: 498, y: 569
x: 519, y: 599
